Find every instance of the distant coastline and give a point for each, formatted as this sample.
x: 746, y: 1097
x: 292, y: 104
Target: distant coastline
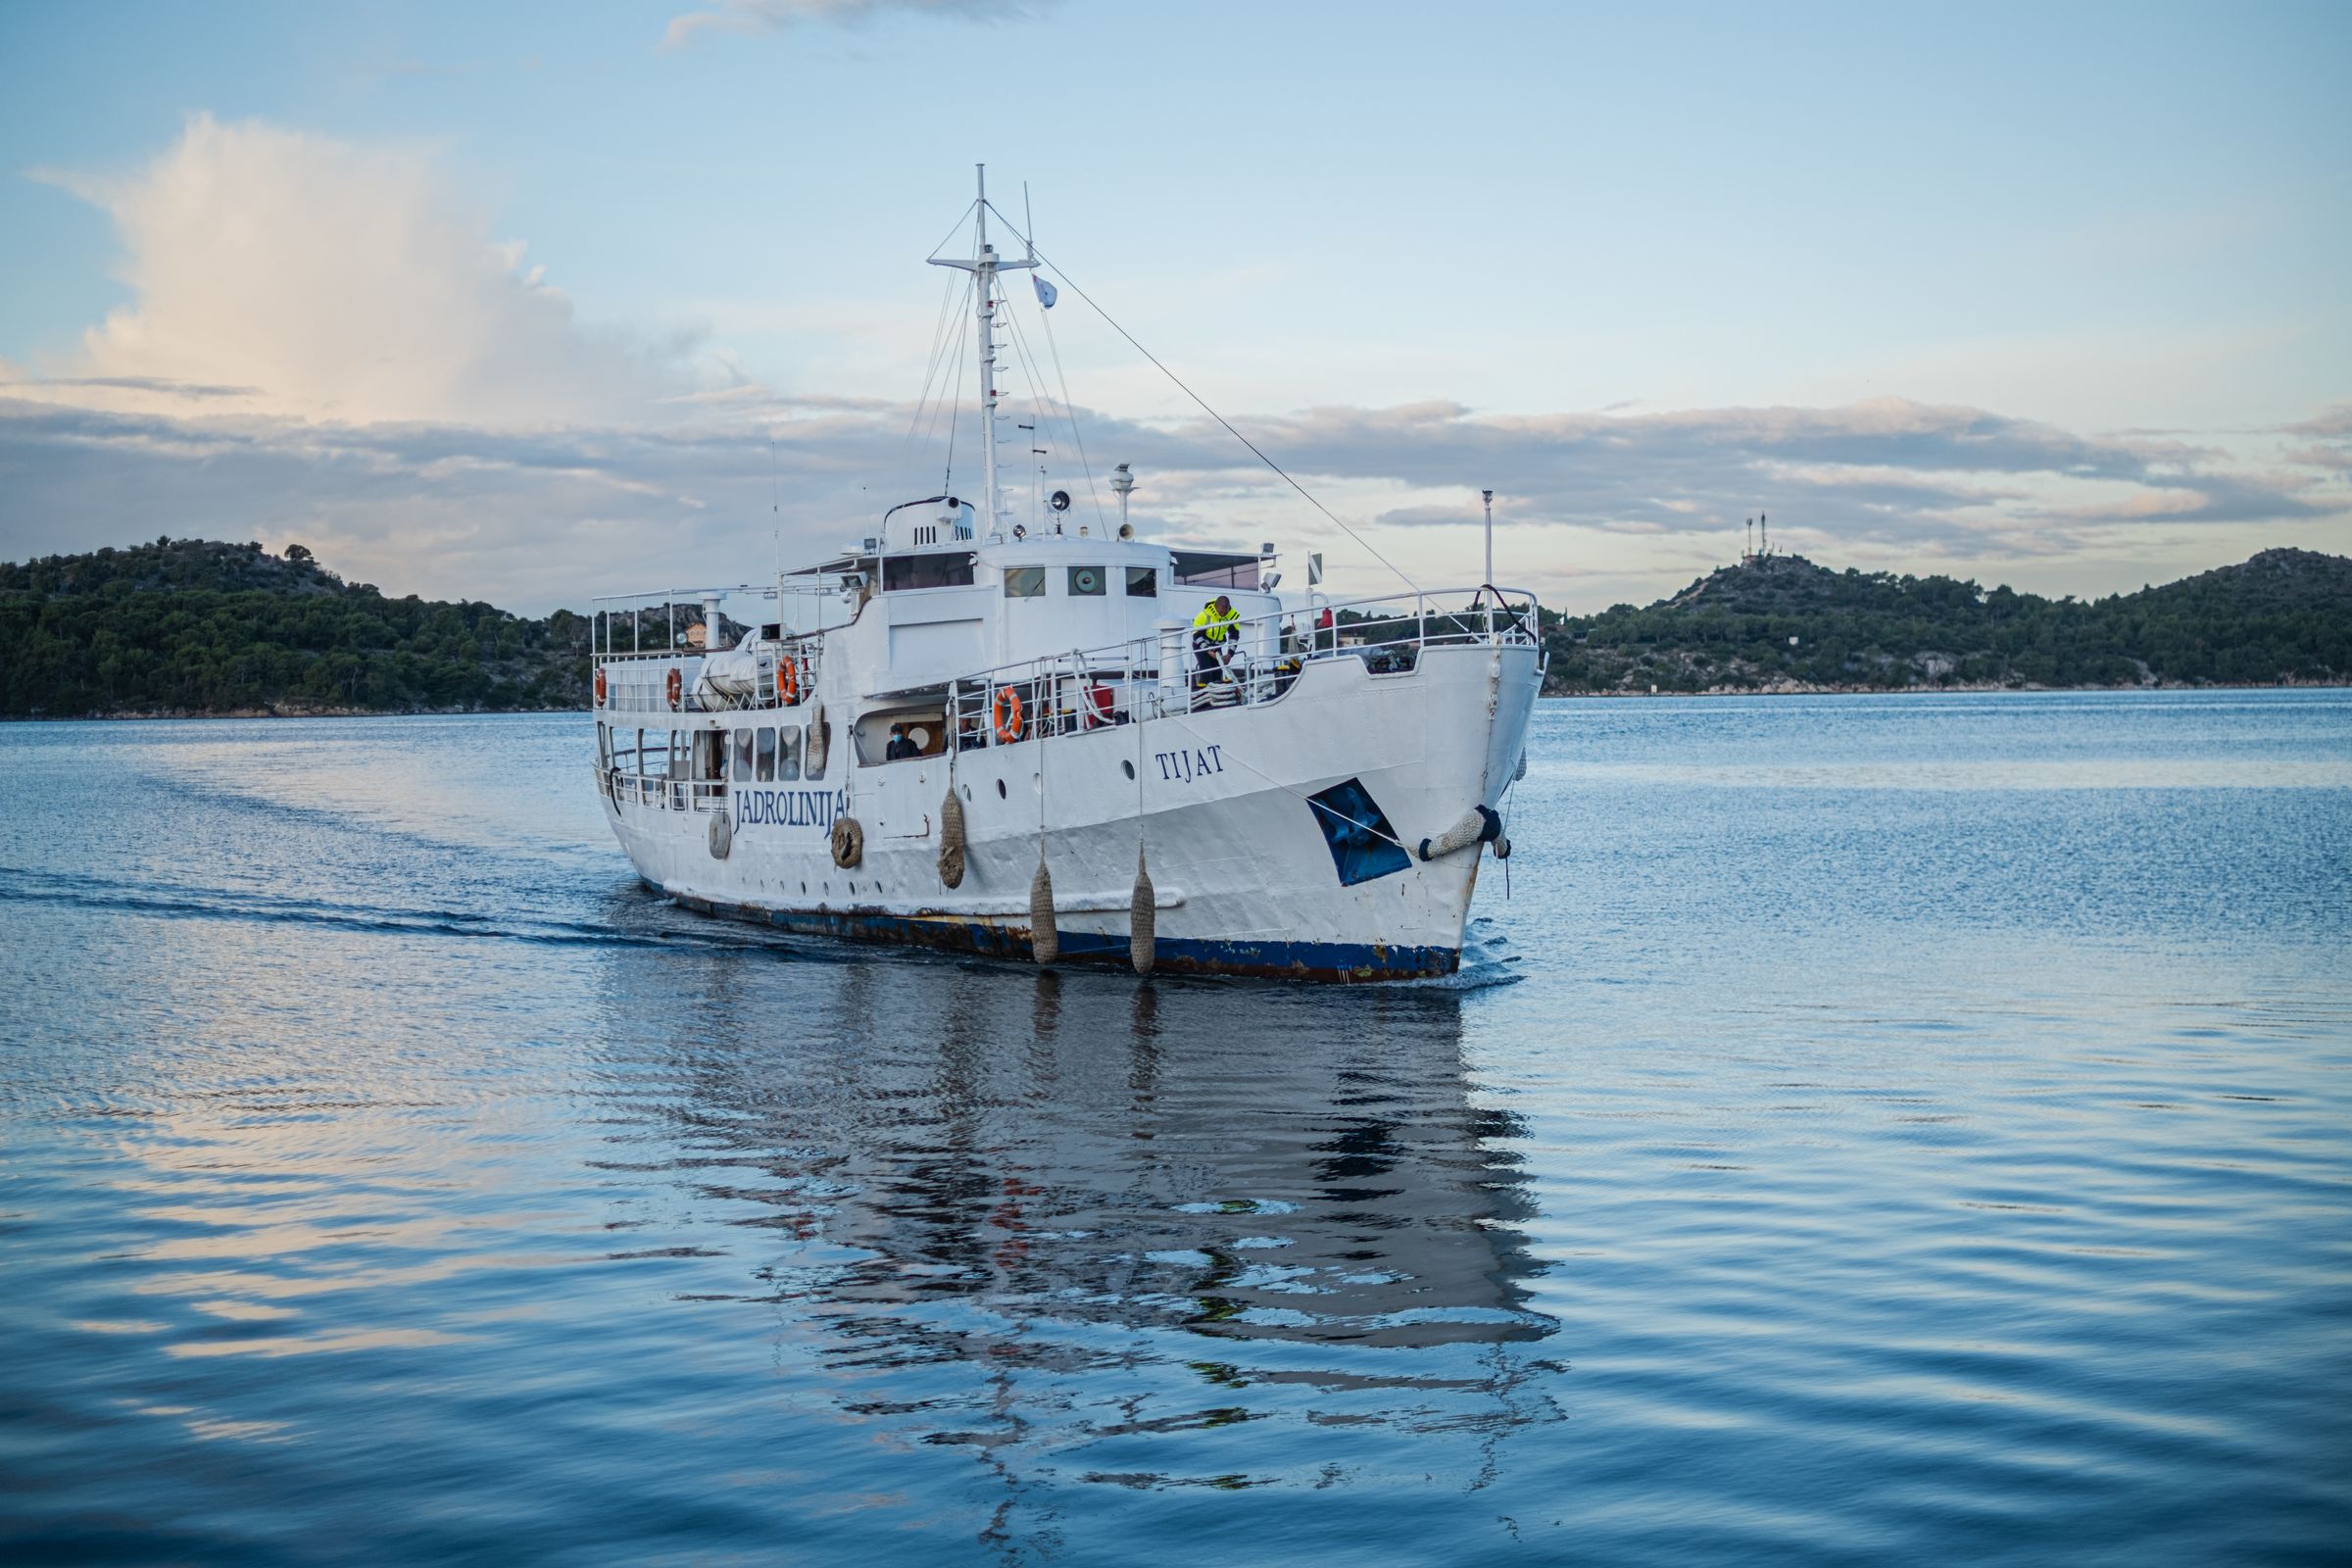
x: 1781, y: 624
x: 183, y: 629
x: 294, y: 713
x: 1547, y: 697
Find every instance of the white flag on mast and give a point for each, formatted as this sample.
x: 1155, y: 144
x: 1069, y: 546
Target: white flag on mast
x: 1046, y: 293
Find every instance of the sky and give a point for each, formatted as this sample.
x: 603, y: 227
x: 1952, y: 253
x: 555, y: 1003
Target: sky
x: 530, y: 303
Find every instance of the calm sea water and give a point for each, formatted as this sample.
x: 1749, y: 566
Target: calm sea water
x: 1870, y: 1130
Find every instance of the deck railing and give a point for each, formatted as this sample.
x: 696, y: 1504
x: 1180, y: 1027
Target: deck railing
x: 623, y: 696
x: 1255, y: 663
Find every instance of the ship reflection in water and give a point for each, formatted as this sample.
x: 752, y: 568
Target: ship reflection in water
x: 1920, y: 1172
x: 1101, y: 1213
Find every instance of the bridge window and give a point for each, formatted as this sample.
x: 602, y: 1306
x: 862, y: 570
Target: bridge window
x: 1024, y: 583
x: 1086, y: 583
x: 1142, y: 582
x: 944, y: 569
x: 766, y: 754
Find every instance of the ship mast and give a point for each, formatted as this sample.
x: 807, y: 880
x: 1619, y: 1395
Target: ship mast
x: 984, y: 266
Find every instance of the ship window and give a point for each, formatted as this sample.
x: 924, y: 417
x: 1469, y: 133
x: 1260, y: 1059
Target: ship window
x: 743, y: 756
x: 766, y: 754
x: 1086, y: 583
x: 788, y: 755
x: 1142, y: 582
x: 952, y: 568
x: 1363, y: 846
x: 1024, y: 583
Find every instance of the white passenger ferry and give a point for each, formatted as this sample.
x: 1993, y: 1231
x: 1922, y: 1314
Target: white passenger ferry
x: 996, y: 729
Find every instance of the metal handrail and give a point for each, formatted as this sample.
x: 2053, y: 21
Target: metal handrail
x: 1129, y: 682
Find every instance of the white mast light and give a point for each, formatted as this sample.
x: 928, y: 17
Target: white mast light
x: 1488, y: 495
x: 1122, y: 482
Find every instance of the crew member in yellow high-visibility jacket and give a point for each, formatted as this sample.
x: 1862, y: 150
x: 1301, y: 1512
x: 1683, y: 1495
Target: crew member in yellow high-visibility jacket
x: 1215, y: 626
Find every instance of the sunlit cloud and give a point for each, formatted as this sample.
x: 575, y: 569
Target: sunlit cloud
x: 280, y: 272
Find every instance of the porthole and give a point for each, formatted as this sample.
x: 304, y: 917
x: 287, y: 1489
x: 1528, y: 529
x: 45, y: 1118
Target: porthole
x: 1129, y: 766
x: 999, y: 788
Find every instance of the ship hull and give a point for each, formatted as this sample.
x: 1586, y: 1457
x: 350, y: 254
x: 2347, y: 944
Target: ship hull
x: 1222, y: 804
x: 1262, y: 959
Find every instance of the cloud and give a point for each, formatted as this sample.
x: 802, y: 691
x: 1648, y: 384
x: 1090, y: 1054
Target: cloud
x: 161, y: 387
x: 295, y: 274
x: 1887, y: 469
x: 326, y: 343
x: 2334, y: 423
x: 769, y: 16
x: 535, y: 517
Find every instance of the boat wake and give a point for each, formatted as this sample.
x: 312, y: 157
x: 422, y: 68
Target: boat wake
x: 167, y: 901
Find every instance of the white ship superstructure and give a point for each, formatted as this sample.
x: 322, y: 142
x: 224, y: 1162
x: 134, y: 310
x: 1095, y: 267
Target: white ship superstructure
x: 1002, y: 734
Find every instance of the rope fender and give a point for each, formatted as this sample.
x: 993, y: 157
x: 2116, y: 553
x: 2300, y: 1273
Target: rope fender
x: 849, y: 842
x: 1142, y: 936
x: 1480, y: 826
x: 951, y: 840
x: 1045, y: 938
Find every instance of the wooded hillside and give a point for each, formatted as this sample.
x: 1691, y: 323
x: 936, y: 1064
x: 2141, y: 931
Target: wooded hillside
x: 191, y: 626
x: 1783, y: 623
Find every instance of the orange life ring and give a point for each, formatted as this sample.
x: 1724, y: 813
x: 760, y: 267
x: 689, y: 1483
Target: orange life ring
x: 1006, y: 711
x: 677, y: 689
x: 599, y: 685
x: 788, y: 683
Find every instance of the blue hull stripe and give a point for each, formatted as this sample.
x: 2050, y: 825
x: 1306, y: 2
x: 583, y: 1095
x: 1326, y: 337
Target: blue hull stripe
x: 1284, y: 960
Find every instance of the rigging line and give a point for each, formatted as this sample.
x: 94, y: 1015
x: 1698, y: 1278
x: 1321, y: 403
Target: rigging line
x: 1070, y: 415
x: 938, y: 348
x: 1204, y: 401
x: 948, y: 484
x: 1047, y: 403
x: 939, y: 343
x: 959, y: 223
x: 1039, y: 403
x: 1022, y: 357
x: 946, y: 391
x: 931, y: 430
